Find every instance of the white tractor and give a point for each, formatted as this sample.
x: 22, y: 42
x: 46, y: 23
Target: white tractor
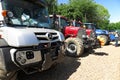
x: 27, y: 41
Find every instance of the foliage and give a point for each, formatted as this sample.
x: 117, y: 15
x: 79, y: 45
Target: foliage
x: 52, y: 6
x: 102, y: 16
x: 85, y: 11
x: 114, y: 26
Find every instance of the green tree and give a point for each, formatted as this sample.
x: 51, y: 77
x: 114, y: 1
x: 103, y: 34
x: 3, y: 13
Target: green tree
x: 114, y: 26
x: 102, y: 16
x: 86, y: 11
x: 52, y: 6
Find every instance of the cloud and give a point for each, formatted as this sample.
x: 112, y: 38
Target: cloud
x: 114, y: 19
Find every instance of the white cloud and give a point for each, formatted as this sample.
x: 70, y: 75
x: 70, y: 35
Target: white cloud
x: 114, y: 19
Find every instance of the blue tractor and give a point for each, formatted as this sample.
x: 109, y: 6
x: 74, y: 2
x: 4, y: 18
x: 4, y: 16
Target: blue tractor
x: 102, y: 35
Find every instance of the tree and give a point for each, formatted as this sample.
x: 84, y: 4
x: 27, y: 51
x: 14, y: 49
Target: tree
x: 52, y: 6
x: 86, y: 11
x: 114, y: 26
x: 78, y: 9
x: 102, y: 16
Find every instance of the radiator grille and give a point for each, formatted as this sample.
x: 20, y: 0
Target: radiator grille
x: 46, y: 36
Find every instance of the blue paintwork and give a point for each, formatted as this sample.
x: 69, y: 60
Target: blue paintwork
x: 112, y: 37
x: 102, y: 32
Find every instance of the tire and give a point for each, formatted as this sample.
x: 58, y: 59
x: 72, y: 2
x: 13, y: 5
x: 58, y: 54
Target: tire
x: 74, y: 47
x: 93, y: 35
x: 96, y: 41
x: 108, y: 42
x: 2, y: 70
x: 103, y: 39
x: 4, y: 75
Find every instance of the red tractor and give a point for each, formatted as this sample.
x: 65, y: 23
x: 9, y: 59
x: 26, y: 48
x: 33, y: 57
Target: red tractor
x: 78, y: 39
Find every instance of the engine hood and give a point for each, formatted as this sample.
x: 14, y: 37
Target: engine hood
x: 99, y: 31
x: 21, y: 37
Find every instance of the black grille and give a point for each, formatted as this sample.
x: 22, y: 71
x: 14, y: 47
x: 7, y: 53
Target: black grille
x: 81, y: 32
x: 40, y: 33
x: 43, y: 36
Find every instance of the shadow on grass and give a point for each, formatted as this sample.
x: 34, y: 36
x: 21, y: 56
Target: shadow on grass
x: 60, y: 72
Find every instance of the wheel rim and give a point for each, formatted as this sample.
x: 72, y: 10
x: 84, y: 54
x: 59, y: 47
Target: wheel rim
x: 71, y: 48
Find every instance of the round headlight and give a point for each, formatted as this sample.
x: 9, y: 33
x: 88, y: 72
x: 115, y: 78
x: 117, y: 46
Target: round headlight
x: 9, y: 14
x: 84, y: 36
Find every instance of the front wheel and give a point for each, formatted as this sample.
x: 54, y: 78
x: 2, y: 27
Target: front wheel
x: 74, y: 47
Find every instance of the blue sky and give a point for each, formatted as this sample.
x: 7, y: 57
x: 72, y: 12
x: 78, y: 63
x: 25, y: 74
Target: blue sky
x: 113, y: 6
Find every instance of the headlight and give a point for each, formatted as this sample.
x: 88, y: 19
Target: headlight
x: 21, y: 57
x: 84, y: 36
x: 25, y: 57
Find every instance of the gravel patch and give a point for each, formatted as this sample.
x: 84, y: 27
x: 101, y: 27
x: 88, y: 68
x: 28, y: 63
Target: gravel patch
x: 104, y: 64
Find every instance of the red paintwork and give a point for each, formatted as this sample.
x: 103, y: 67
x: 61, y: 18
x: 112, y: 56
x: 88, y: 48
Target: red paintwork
x: 71, y: 31
x: 88, y: 31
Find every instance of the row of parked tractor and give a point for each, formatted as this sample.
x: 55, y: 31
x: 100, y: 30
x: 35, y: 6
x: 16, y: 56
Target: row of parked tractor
x: 29, y: 43
x: 80, y: 37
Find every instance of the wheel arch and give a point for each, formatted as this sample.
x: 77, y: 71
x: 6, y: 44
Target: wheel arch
x: 3, y: 43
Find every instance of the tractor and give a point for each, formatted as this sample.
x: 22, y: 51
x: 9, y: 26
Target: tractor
x: 27, y: 42
x: 102, y: 35
x: 78, y: 39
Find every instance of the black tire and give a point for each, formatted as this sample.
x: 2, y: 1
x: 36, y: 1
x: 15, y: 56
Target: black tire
x: 2, y: 70
x: 4, y: 75
x: 74, y: 47
x: 105, y: 39
x: 108, y: 43
x: 93, y: 35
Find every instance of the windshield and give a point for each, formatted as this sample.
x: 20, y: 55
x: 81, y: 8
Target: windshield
x: 77, y: 24
x: 90, y: 26
x: 27, y: 13
x: 61, y: 23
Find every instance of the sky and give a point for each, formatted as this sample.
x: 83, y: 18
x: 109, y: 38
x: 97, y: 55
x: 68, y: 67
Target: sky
x: 113, y: 7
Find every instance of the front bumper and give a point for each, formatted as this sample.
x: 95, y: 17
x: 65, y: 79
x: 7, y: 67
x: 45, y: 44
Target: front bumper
x: 41, y: 58
x: 92, y: 43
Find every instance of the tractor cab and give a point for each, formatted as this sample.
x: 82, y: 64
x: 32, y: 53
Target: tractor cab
x: 90, y: 27
x: 58, y: 22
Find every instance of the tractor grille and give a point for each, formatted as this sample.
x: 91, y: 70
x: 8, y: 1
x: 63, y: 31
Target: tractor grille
x: 81, y: 32
x: 46, y: 36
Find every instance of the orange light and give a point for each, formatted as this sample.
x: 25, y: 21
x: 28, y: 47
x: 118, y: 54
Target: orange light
x: 4, y: 13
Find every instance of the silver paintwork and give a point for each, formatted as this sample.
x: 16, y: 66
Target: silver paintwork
x: 21, y: 37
